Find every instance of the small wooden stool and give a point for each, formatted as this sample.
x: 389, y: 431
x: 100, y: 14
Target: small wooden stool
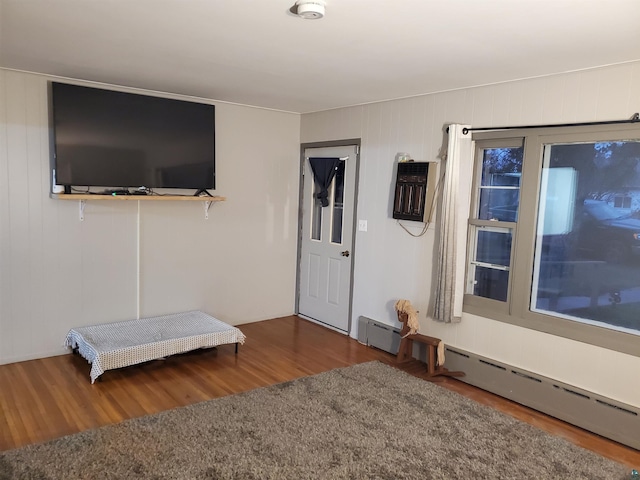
x: 406, y: 349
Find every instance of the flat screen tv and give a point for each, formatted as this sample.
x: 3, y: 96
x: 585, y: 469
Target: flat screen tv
x: 105, y: 138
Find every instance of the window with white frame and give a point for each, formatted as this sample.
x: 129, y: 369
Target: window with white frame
x: 554, y: 240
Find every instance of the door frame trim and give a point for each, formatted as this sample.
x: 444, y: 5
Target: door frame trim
x: 328, y: 143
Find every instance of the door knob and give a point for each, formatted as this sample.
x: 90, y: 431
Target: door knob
x: 345, y: 253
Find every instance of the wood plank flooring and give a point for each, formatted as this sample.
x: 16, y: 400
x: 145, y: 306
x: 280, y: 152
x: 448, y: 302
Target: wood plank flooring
x: 48, y: 398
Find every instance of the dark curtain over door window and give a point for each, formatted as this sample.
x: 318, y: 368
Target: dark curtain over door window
x: 324, y: 169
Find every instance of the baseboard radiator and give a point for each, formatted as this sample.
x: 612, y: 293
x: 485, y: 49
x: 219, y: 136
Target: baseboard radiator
x: 379, y: 335
x: 587, y: 410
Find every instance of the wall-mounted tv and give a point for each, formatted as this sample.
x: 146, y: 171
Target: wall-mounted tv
x: 105, y: 138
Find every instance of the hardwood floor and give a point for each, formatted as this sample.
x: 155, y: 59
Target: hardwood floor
x: 48, y: 398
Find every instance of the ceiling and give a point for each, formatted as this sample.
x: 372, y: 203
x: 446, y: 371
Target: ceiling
x: 255, y: 52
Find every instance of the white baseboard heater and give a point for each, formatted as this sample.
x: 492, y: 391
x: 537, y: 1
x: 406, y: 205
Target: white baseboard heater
x: 601, y: 415
x: 587, y: 410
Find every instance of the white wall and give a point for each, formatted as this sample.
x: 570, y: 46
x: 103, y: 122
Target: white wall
x: 390, y: 264
x: 57, y: 272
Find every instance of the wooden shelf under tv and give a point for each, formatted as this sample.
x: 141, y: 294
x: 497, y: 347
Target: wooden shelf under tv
x: 179, y: 198
x: 206, y: 200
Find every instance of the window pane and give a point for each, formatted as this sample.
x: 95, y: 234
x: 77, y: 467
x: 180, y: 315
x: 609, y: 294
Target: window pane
x: 500, y: 184
x: 588, y: 234
x: 494, y: 246
x: 491, y: 283
x: 316, y: 214
x: 499, y: 204
x: 489, y: 269
x: 338, y: 196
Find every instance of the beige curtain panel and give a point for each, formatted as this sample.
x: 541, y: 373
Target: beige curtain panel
x: 456, y: 197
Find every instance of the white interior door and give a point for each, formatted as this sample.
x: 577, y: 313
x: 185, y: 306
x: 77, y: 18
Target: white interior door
x: 327, y: 240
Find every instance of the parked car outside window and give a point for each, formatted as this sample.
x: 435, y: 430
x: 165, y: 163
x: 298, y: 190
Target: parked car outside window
x: 605, y: 234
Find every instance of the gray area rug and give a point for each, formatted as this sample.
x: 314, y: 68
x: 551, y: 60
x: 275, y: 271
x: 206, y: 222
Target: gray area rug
x: 360, y: 422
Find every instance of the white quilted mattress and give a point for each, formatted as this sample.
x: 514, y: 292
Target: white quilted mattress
x: 115, y: 345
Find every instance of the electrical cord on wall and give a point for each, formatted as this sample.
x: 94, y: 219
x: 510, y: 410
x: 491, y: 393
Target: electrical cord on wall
x: 433, y: 204
x: 424, y: 229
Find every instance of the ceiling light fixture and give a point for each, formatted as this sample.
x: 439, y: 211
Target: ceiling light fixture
x: 309, y: 9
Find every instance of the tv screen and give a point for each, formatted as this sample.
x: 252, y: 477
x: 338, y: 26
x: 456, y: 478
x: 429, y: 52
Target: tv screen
x: 114, y: 139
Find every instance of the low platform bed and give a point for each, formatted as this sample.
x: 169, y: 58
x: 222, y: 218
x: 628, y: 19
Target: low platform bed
x: 116, y: 345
